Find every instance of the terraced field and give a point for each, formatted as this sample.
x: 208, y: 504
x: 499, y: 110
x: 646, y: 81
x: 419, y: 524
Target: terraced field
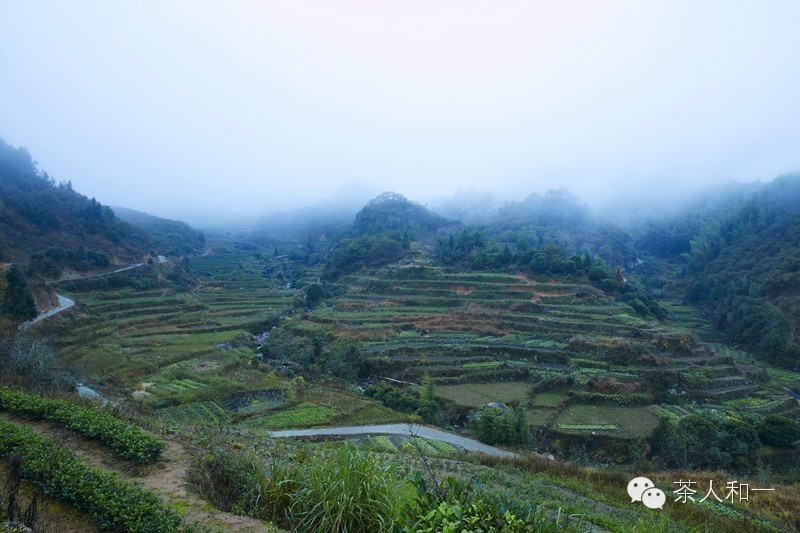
x: 178, y: 344
x: 495, y: 337
x: 483, y: 337
x: 188, y: 356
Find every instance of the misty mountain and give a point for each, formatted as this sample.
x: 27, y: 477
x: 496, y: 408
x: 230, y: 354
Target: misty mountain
x: 382, y: 233
x: 557, y: 218
x: 45, y: 226
x: 557, y: 207
x: 319, y: 223
x: 393, y: 212
x: 169, y: 237
x: 470, y: 207
x: 669, y: 235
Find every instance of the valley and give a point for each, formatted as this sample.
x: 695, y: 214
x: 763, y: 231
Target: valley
x: 593, y: 377
x: 515, y: 372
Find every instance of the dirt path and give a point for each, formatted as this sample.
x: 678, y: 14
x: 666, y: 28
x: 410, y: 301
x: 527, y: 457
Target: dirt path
x: 417, y: 430
x: 167, y: 477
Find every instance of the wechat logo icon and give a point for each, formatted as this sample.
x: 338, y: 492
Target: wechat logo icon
x: 641, y: 489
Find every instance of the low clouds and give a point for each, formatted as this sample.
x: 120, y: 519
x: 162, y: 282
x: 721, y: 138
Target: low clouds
x: 247, y: 107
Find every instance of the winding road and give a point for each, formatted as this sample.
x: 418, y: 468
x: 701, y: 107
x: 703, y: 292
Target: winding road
x: 63, y: 304
x: 408, y: 430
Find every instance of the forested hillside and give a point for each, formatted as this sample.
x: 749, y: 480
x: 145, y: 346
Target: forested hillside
x: 741, y: 263
x: 47, y: 227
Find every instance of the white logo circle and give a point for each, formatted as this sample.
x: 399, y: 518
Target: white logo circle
x: 637, y: 486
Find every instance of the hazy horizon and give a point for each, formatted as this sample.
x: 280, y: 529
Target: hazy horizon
x: 189, y: 110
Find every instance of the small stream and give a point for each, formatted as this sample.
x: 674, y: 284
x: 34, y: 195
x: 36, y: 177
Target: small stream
x: 88, y: 393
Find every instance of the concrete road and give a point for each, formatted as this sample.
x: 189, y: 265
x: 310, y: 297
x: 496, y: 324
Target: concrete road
x: 409, y: 430
x: 63, y: 304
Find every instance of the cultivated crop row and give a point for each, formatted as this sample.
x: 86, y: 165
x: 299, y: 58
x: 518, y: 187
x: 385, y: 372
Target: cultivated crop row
x: 114, y: 504
x: 127, y: 441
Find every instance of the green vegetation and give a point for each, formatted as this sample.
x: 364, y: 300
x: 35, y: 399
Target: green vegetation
x: 348, y: 490
x: 406, y: 316
x: 548, y: 399
x: 632, y: 422
x: 304, y: 415
x: 705, y: 442
x: 503, y: 426
x: 113, y: 503
x: 16, y: 301
x: 742, y: 262
x: 588, y: 427
x: 479, y: 394
x: 779, y: 431
x: 195, y: 414
x: 428, y: 448
x: 382, y: 444
x: 127, y: 440
x: 393, y: 397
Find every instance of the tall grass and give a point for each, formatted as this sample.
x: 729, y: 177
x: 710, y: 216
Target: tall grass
x: 345, y: 491
x: 349, y: 491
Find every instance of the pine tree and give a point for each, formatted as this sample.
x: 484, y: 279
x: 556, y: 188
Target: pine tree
x: 428, y: 408
x: 18, y: 301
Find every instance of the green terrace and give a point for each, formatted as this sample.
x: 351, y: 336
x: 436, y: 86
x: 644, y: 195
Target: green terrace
x: 482, y: 337
x: 134, y: 334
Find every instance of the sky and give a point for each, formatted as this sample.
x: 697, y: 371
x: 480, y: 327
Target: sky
x: 196, y: 109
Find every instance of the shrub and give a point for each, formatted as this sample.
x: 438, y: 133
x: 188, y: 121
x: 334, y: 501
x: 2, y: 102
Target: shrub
x: 452, y: 505
x: 624, y: 399
x: 496, y: 426
x: 36, y: 361
x: 779, y: 431
x: 239, y: 482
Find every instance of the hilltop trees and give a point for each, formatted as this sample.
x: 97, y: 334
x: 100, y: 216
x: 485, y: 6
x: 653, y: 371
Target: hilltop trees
x: 382, y: 233
x: 392, y: 212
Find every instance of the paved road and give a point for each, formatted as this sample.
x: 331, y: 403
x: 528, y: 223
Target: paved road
x: 63, y: 303
x: 101, y: 274
x: 400, y: 429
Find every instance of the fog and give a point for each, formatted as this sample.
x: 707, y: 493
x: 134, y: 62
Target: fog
x: 224, y: 110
